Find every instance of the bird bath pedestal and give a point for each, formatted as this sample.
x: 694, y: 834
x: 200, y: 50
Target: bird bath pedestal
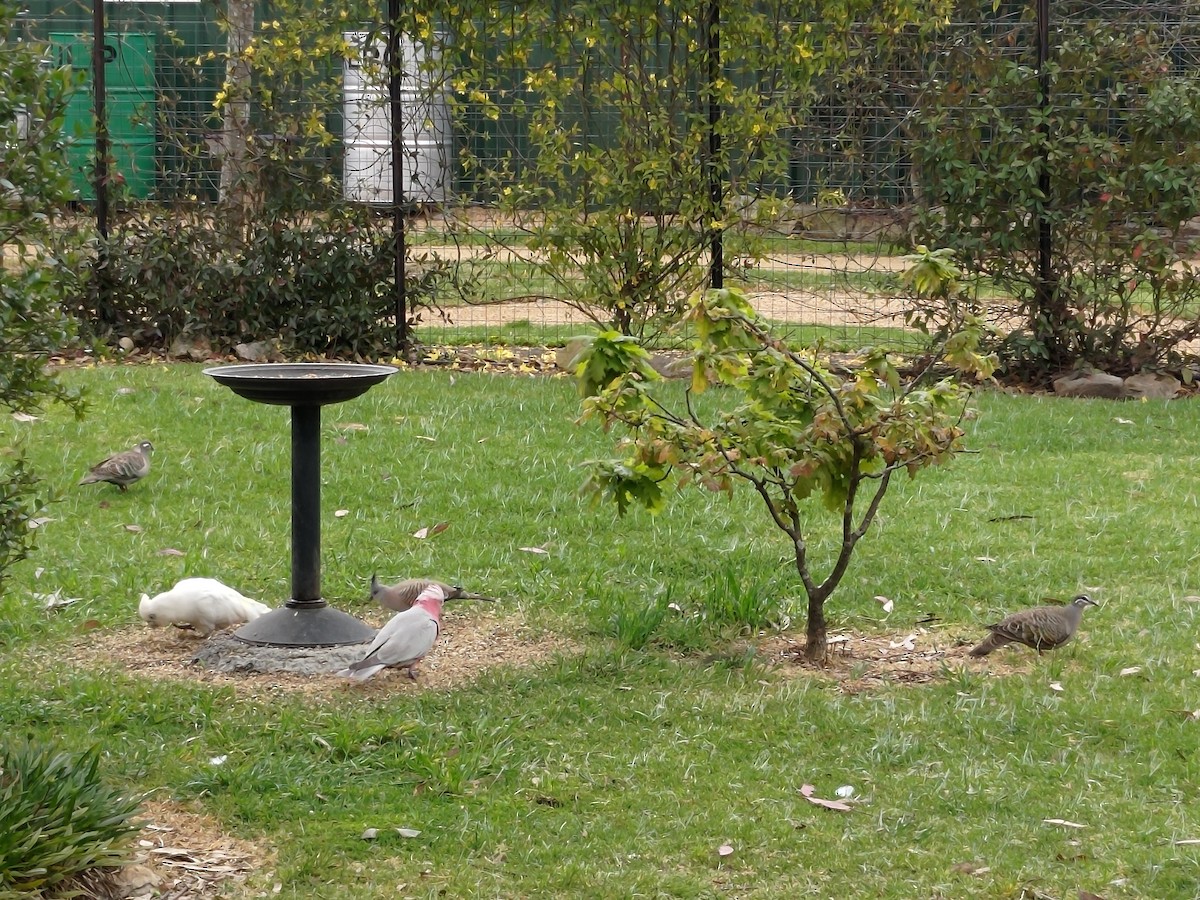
x: 305, y: 620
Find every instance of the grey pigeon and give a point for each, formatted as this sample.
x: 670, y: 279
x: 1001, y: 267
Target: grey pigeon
x: 401, y: 596
x: 122, y: 469
x: 1043, y: 628
x: 404, y: 640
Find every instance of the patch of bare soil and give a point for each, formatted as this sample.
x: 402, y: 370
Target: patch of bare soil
x: 864, y: 662
x: 181, y: 855
x: 469, y: 645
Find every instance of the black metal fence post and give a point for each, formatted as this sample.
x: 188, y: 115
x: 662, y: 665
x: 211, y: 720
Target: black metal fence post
x: 712, y: 48
x: 395, y: 69
x: 1045, y: 284
x: 100, y: 169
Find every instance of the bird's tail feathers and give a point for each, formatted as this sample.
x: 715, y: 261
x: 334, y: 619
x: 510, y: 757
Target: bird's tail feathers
x: 357, y: 674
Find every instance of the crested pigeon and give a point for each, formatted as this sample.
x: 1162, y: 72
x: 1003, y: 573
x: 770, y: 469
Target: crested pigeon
x: 402, y: 595
x: 205, y: 604
x: 122, y: 469
x: 404, y: 640
x: 1042, y: 628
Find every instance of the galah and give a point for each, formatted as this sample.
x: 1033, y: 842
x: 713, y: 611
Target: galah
x: 401, y: 596
x: 202, y: 603
x: 122, y: 469
x: 405, y: 639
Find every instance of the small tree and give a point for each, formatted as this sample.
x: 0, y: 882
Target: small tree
x: 35, y: 256
x: 783, y: 423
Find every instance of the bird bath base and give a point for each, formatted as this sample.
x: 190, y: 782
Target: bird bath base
x: 305, y: 626
x: 305, y: 620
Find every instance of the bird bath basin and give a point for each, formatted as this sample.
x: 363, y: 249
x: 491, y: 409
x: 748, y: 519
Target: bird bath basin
x: 306, y: 620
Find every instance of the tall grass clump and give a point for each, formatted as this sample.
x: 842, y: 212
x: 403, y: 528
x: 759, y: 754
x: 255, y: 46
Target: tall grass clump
x: 61, y: 827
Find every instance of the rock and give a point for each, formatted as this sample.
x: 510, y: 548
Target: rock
x: 671, y: 366
x: 1151, y: 385
x: 257, y: 351
x: 193, y: 348
x: 567, y: 356
x: 1090, y: 384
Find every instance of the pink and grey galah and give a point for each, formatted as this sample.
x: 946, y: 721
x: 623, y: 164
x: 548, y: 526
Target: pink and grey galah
x: 405, y: 639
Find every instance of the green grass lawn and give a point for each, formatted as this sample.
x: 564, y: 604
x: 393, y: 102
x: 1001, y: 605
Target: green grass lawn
x: 613, y: 772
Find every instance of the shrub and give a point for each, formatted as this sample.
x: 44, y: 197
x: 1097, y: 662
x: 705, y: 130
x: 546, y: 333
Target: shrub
x: 36, y: 259
x: 60, y: 826
x: 313, y: 284
x: 1111, y: 167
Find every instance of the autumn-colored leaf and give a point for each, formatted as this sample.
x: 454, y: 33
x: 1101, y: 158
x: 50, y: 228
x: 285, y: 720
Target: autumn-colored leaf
x: 431, y: 530
x: 806, y: 791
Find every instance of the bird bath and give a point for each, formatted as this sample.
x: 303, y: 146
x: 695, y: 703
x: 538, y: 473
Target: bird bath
x: 306, y: 620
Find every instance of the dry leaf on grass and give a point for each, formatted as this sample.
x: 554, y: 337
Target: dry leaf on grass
x: 428, y: 531
x: 806, y: 791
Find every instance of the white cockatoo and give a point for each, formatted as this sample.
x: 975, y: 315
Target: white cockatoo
x: 405, y: 639
x: 203, y: 603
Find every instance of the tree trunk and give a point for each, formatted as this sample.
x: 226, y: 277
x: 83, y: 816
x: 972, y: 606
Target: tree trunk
x: 816, y: 648
x: 235, y: 134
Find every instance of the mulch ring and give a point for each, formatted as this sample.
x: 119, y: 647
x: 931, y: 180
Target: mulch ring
x: 864, y: 662
x: 468, y: 646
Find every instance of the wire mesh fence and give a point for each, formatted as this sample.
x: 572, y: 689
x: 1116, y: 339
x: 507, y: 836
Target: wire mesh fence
x: 820, y: 245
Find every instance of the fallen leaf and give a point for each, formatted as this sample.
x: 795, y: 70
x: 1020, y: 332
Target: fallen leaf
x: 725, y: 850
x: 1131, y: 670
x: 970, y: 868
x: 23, y: 417
x: 1056, y: 686
x: 407, y: 832
x: 370, y: 834
x: 806, y: 791
x: 218, y: 760
x: 845, y: 792
x: 425, y: 437
x: 887, y: 604
x: 341, y: 513
x: 125, y: 391
x: 1121, y: 421
x: 907, y: 643
x: 985, y: 559
x: 170, y: 551
x: 1191, y: 598
x: 55, y: 601
x: 540, y: 550
x: 428, y: 531
x: 1063, y: 822
x: 136, y: 529
x: 39, y: 521
x: 90, y: 625
x: 1187, y: 842
x: 351, y: 426
x: 1088, y: 895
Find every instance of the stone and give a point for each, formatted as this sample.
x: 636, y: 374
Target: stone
x: 568, y: 355
x: 1090, y: 384
x: 1152, y: 386
x: 256, y: 351
x: 672, y: 366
